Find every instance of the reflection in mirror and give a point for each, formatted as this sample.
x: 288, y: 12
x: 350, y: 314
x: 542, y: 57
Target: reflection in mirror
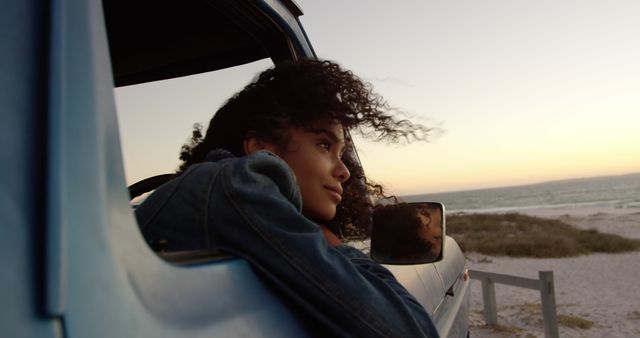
x: 408, y: 233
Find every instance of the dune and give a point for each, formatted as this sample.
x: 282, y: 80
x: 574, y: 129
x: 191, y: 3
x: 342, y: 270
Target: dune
x: 597, y: 295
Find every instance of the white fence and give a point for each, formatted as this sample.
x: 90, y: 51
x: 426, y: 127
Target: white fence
x: 544, y: 284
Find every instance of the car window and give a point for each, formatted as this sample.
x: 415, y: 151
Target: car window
x: 157, y: 118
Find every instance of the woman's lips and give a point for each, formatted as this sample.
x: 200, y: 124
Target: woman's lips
x: 335, y: 193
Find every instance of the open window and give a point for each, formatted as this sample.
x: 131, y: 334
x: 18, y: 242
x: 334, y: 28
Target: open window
x: 175, y: 64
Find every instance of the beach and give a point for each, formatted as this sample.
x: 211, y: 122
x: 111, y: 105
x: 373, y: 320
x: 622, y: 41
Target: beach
x: 597, y: 295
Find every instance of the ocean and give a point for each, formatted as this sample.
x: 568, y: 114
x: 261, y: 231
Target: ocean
x: 621, y: 191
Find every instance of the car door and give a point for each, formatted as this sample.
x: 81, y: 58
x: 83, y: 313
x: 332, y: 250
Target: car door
x: 74, y: 260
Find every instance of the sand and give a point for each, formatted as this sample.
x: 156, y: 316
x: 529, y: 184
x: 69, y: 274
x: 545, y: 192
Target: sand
x: 599, y: 290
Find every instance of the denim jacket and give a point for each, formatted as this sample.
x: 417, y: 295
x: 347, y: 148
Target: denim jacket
x: 251, y: 207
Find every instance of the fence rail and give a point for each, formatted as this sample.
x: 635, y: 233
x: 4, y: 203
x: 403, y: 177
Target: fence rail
x: 544, y: 284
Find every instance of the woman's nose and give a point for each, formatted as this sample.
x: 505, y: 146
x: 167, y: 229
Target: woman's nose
x: 341, y: 171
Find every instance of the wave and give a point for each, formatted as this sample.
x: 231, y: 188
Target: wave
x: 617, y: 204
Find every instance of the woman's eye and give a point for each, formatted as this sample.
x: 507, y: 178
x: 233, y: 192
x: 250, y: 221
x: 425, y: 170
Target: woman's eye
x: 325, y: 145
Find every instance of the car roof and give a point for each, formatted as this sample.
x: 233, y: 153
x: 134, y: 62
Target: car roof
x: 156, y: 40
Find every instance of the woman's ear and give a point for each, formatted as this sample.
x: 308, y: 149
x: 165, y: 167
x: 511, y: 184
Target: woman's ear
x: 253, y: 144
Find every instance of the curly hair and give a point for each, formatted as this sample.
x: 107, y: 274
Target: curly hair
x: 295, y: 94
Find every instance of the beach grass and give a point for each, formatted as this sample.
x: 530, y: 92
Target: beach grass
x: 510, y: 330
x: 531, y: 314
x: 517, y: 235
x: 574, y: 322
x: 633, y: 315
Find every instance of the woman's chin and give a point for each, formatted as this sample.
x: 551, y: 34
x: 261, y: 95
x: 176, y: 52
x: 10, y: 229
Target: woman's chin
x: 320, y: 215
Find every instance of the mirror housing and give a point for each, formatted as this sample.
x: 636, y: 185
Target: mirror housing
x: 408, y: 233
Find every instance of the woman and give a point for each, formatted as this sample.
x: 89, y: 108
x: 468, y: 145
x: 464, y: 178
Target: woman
x: 265, y: 183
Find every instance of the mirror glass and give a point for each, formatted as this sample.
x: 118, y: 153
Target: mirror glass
x: 408, y: 233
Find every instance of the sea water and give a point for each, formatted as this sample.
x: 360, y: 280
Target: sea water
x: 614, y: 191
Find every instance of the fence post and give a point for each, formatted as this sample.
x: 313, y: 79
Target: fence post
x: 547, y: 293
x: 489, y: 300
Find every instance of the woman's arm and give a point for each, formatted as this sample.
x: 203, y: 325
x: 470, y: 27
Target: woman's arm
x: 255, y: 212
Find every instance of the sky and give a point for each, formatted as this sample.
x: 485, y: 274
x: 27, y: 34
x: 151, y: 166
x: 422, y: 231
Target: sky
x: 519, y: 91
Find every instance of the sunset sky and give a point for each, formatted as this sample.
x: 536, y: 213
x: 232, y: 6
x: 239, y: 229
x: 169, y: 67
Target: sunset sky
x: 522, y: 91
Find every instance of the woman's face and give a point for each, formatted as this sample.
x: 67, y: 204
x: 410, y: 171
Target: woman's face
x: 431, y: 229
x: 315, y: 157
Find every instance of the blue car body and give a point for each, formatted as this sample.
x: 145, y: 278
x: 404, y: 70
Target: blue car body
x: 74, y: 263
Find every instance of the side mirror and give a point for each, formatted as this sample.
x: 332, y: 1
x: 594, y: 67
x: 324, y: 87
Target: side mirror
x: 408, y: 233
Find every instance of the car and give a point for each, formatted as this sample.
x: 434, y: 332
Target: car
x: 74, y: 262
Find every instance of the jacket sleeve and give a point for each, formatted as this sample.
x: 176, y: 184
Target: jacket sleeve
x: 341, y: 287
